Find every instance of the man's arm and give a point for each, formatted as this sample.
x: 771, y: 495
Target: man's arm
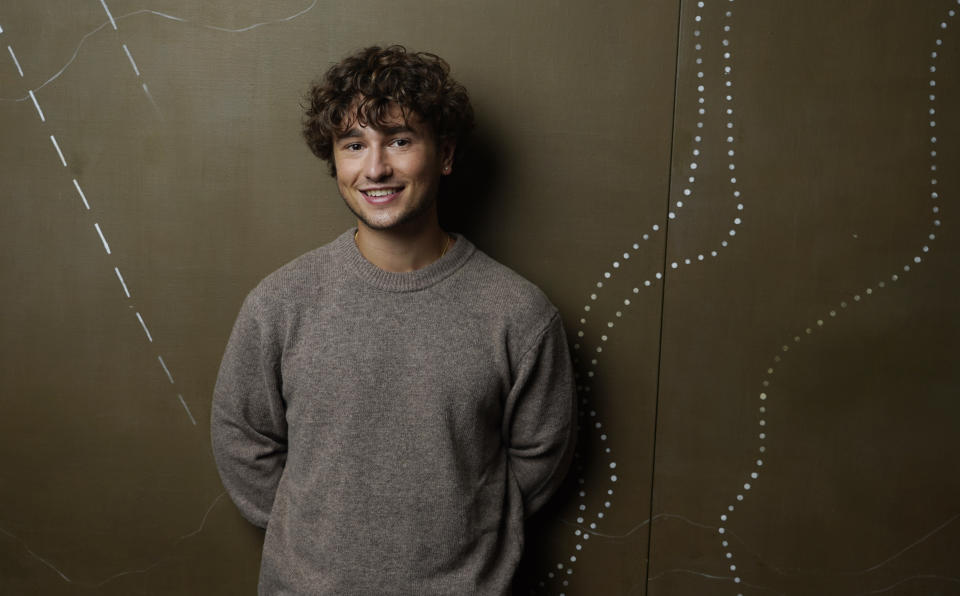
x: 247, y: 425
x: 540, y: 417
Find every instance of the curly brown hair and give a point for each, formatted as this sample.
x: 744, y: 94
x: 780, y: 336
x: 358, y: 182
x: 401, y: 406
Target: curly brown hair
x: 363, y: 87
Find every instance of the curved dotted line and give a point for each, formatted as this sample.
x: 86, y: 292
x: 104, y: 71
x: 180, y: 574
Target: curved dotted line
x: 833, y: 313
x: 688, y: 191
x: 728, y: 124
x: 696, y: 154
x: 103, y: 237
x: 581, y: 534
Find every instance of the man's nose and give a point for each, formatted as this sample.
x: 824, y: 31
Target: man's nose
x: 378, y: 165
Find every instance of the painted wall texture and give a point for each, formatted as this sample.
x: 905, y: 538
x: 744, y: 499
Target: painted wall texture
x: 743, y: 209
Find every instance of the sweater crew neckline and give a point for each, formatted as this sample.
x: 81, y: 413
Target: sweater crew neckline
x: 345, y: 248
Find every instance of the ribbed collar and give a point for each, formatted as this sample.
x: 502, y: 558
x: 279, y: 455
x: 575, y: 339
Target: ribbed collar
x: 345, y: 250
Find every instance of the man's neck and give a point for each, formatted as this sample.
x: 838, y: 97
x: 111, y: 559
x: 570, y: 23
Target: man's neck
x: 403, y: 249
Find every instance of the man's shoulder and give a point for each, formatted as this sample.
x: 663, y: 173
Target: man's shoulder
x: 498, y: 291
x: 508, y: 285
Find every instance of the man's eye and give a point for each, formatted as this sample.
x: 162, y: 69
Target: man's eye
x: 353, y: 147
x: 401, y: 142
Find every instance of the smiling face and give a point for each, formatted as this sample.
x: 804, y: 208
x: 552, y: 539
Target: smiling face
x: 389, y: 176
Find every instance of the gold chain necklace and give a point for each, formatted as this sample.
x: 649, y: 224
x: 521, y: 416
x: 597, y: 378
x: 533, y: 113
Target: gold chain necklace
x: 446, y: 245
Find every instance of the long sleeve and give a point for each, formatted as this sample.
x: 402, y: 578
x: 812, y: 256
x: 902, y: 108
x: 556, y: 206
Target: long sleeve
x: 540, y: 420
x: 247, y: 425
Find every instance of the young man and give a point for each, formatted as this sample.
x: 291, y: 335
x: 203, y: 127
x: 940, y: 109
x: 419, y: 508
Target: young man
x: 392, y: 405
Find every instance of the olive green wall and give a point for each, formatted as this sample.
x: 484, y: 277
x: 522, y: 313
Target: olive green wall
x: 743, y: 209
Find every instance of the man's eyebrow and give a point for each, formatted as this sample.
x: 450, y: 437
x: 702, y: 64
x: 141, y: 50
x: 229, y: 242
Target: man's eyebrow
x: 355, y: 133
x: 402, y: 128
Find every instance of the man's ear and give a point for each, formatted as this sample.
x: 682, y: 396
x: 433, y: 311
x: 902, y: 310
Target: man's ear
x: 447, y: 148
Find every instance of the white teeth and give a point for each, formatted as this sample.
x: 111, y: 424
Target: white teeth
x: 380, y: 193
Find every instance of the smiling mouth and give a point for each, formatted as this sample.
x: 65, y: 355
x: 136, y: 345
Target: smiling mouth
x: 381, y: 195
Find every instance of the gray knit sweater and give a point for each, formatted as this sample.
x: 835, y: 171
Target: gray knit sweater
x: 392, y: 430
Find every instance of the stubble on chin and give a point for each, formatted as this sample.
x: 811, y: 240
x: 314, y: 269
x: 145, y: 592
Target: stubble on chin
x: 413, y: 214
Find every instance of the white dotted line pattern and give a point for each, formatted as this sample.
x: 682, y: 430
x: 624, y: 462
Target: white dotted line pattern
x: 96, y: 225
x: 834, y: 312
x: 581, y: 535
x: 698, y: 139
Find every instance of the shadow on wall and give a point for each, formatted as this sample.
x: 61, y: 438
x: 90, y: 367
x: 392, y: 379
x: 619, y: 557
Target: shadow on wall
x: 468, y: 195
x: 471, y: 200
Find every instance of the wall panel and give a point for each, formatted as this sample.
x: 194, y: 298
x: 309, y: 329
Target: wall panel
x: 806, y: 414
x: 179, y: 124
